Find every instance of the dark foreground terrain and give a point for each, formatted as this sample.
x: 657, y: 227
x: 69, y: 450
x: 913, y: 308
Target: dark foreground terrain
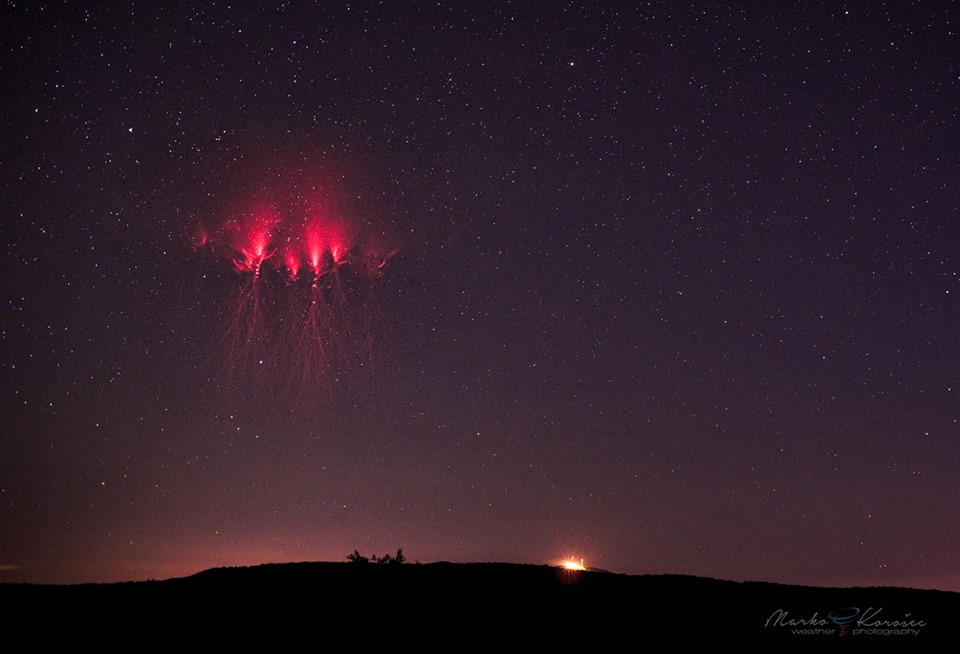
x: 325, y: 603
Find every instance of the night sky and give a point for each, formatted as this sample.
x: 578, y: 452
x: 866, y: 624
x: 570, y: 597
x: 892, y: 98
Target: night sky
x: 670, y: 287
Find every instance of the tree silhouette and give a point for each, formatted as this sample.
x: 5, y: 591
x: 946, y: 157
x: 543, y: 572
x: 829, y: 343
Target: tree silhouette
x: 357, y: 557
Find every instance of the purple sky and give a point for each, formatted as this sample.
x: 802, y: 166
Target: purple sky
x: 672, y: 288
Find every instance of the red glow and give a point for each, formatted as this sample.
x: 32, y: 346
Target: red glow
x: 339, y: 244
x: 252, y: 238
x: 200, y: 238
x: 292, y: 262
x: 322, y: 244
x: 314, y: 246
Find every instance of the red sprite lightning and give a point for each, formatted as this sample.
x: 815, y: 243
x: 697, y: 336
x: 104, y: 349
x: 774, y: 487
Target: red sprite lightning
x: 254, y: 243
x: 332, y: 316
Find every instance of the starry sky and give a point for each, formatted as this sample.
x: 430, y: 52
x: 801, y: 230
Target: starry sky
x: 672, y: 287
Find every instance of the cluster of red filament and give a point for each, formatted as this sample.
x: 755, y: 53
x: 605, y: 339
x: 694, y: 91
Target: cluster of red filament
x: 319, y: 329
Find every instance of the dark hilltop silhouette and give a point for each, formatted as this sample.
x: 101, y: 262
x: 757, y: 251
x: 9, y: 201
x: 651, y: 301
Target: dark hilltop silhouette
x: 488, y: 600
